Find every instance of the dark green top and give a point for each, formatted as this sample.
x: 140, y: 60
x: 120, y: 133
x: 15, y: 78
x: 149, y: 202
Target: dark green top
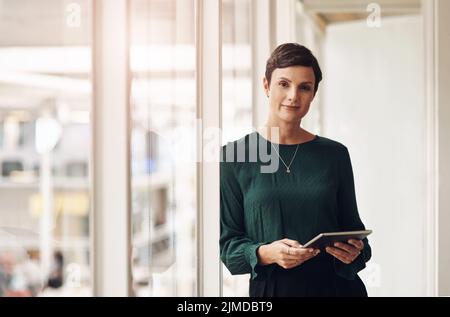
x: 258, y: 208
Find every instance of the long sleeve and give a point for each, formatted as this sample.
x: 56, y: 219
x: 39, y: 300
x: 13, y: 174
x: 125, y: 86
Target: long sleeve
x: 237, y: 251
x: 348, y: 217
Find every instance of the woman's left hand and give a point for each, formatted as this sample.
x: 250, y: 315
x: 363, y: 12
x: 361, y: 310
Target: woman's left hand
x: 344, y: 252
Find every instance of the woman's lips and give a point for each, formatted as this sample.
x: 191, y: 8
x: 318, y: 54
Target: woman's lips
x: 291, y: 108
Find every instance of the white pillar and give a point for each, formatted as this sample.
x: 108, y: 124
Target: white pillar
x: 111, y: 150
x: 47, y: 215
x: 437, y: 45
x: 209, y: 93
x: 48, y: 133
x: 431, y: 225
x: 442, y: 67
x: 285, y: 21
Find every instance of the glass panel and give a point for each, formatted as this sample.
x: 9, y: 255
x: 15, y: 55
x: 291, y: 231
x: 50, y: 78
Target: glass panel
x: 236, y: 96
x: 164, y: 180
x: 236, y: 69
x: 45, y: 104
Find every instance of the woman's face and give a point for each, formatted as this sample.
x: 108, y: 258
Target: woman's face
x: 291, y: 92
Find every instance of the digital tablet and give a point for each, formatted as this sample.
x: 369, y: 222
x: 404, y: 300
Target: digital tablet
x: 329, y: 238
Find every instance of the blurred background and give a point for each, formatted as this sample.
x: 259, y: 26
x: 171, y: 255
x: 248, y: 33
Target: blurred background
x: 380, y: 96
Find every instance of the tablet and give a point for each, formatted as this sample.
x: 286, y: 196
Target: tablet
x: 329, y: 238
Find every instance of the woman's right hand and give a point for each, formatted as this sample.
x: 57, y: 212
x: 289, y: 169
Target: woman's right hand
x: 286, y: 253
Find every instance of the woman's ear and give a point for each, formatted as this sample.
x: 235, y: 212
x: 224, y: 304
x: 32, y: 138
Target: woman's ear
x: 266, y: 86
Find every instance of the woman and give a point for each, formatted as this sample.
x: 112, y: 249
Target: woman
x: 266, y: 217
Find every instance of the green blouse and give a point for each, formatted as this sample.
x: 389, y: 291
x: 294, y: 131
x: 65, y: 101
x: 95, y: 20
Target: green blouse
x: 256, y: 208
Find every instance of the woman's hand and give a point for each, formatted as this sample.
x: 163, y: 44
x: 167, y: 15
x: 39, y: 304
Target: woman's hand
x: 344, y: 252
x: 286, y: 253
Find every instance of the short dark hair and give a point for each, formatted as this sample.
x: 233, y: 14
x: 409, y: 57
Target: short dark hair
x: 293, y: 54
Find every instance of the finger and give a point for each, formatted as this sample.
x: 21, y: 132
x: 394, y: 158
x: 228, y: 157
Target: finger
x: 357, y: 243
x: 301, y: 256
x: 339, y: 254
x: 292, y: 243
x: 308, y: 255
x: 348, y: 248
x: 297, y: 262
x: 359, y: 246
x: 301, y: 251
x: 290, y: 257
x: 287, y: 264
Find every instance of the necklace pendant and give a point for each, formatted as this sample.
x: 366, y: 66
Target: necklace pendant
x: 288, y: 170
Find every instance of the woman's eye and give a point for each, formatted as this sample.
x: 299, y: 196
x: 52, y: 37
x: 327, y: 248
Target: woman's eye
x: 305, y: 88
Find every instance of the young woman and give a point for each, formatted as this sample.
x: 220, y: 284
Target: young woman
x: 266, y: 217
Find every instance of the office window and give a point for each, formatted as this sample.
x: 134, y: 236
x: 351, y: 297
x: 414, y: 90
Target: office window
x: 163, y: 101
x: 45, y: 105
x: 236, y: 96
x: 236, y: 69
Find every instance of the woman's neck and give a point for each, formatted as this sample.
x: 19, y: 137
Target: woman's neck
x: 284, y: 133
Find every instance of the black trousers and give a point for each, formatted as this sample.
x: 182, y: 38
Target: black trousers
x: 313, y: 278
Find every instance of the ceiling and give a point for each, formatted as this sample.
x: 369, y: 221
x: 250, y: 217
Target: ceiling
x: 326, y: 12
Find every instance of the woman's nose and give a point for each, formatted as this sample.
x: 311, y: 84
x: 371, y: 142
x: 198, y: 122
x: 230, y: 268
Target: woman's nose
x: 292, y: 96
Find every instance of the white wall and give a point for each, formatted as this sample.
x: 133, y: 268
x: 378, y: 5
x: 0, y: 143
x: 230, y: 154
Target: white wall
x: 374, y: 103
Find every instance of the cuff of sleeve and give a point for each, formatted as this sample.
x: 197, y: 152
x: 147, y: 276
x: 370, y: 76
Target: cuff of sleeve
x: 349, y: 271
x: 258, y: 272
